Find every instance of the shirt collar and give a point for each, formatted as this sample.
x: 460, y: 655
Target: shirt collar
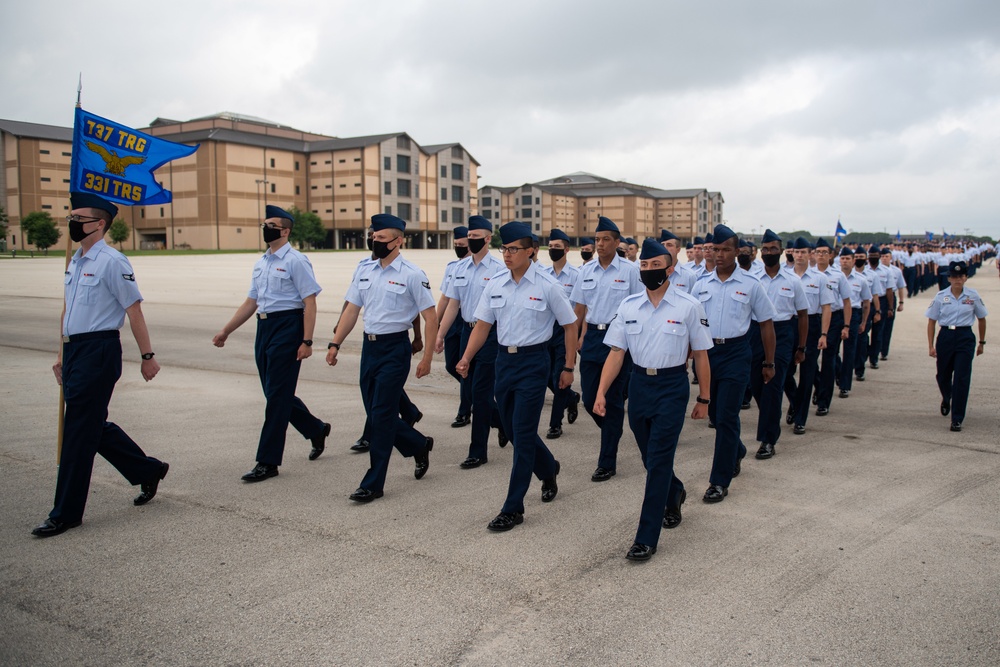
x: 396, y: 264
x: 280, y: 252
x: 94, y: 251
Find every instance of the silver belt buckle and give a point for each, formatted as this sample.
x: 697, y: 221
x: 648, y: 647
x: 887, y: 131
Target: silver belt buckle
x: 512, y: 349
x: 262, y: 316
x: 372, y: 337
x: 650, y: 371
x: 65, y: 339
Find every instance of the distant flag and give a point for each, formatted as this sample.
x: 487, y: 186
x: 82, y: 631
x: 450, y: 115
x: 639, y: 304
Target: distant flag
x: 117, y: 162
x: 839, y: 234
x: 930, y: 236
x: 898, y: 237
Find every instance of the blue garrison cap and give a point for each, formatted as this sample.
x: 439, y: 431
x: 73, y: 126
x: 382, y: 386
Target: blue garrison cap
x: 743, y: 244
x: 606, y: 225
x: 479, y: 222
x: 535, y: 239
x: 667, y: 235
x: 874, y: 250
x: 652, y: 248
x: 886, y: 251
x: 271, y: 211
x: 514, y: 231
x: 559, y: 235
x: 958, y: 269
x: 630, y: 241
x: 689, y: 246
x: 382, y: 221
x: 586, y: 240
x: 801, y: 244
x: 751, y: 244
x: 770, y: 237
x: 698, y: 240
x: 721, y: 234
x: 708, y: 238
x: 823, y: 243
x: 88, y: 200
x: 461, y: 232
x: 846, y: 251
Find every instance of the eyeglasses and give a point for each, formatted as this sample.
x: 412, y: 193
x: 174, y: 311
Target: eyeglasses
x: 272, y: 225
x: 79, y: 218
x: 511, y: 250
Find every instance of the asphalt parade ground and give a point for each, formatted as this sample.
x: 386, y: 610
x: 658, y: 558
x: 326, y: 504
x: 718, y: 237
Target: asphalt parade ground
x: 872, y: 539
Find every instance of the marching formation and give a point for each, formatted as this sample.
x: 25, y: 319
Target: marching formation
x: 786, y: 320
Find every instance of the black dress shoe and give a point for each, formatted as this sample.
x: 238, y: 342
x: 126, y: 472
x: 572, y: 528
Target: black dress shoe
x: 573, y: 409
x: 815, y: 398
x: 766, y: 451
x: 859, y: 378
x: 883, y: 357
x: 715, y: 493
x: 694, y: 380
x: 319, y: 443
x: 53, y: 527
x: 422, y: 459
x: 790, y: 415
x: 505, y: 521
x: 956, y: 426
x: 549, y: 487
x: 148, y: 489
x: 745, y: 405
x: 364, y: 495
x: 418, y: 417
x: 260, y: 472
x: 672, y: 514
x: 472, y: 462
x: 945, y: 407
x: 553, y: 432
x: 799, y: 429
x: 873, y: 364
x: 502, y: 438
x: 822, y: 412
x: 739, y: 466
x: 711, y: 424
x: 461, y: 420
x: 640, y: 553
x: 602, y: 475
x: 844, y: 393
x: 360, y: 445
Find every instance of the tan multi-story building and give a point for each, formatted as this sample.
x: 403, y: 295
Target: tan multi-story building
x: 574, y: 202
x: 244, y: 163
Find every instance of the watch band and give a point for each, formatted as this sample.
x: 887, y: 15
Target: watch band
x: 308, y: 342
x: 148, y: 356
x: 336, y: 345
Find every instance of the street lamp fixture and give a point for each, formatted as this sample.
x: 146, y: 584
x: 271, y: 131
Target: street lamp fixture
x: 259, y: 182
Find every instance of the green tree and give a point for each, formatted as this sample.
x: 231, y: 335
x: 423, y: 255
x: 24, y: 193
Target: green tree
x: 495, y: 240
x: 307, y: 230
x: 40, y: 230
x: 4, y: 222
x: 119, y: 232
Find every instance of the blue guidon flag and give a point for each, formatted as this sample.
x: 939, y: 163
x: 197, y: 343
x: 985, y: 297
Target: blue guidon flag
x: 117, y: 162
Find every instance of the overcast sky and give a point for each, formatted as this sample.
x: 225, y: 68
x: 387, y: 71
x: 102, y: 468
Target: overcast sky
x: 884, y: 113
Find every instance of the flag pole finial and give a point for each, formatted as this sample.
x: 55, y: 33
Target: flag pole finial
x: 79, y: 89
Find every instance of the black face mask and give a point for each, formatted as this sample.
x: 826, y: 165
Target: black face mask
x: 771, y: 260
x: 586, y: 255
x: 653, y: 279
x: 368, y: 242
x: 859, y: 263
x: 620, y: 251
x: 556, y: 255
x: 76, y: 231
x: 381, y: 249
x: 461, y: 251
x: 475, y: 245
x: 874, y: 261
x: 744, y: 261
x: 789, y: 258
x: 271, y: 234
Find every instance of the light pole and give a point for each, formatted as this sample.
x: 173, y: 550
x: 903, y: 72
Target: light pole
x: 259, y: 182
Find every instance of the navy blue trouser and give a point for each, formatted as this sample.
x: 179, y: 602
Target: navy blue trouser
x: 910, y: 275
x: 956, y: 348
x: 769, y: 396
x: 864, y: 342
x: 482, y: 381
x: 407, y: 410
x: 845, y: 370
x: 557, y: 359
x: 878, y: 330
x: 807, y: 371
x: 385, y: 365
x: 278, y: 340
x: 828, y: 371
x: 887, y: 325
x: 592, y: 358
x: 656, y: 416
x: 730, y: 364
x: 521, y: 380
x: 452, y: 355
x: 90, y: 370
x: 753, y: 335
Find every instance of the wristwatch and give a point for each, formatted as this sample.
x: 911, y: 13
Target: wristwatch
x: 567, y: 369
x: 800, y: 348
x: 307, y: 343
x: 148, y: 356
x: 336, y: 345
x: 703, y: 401
x: 767, y: 364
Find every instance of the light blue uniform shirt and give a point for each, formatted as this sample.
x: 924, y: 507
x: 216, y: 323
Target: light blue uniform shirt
x: 886, y: 276
x: 897, y: 274
x: 860, y: 289
x: 814, y: 285
x: 391, y: 297
x: 874, y: 281
x: 838, y: 286
x: 281, y: 280
x: 603, y: 290
x: 98, y: 287
x: 524, y: 312
x: 660, y: 337
x: 951, y: 311
x: 684, y: 278
x: 468, y: 281
x: 732, y: 303
x: 568, y: 278
x: 449, y: 271
x: 786, y: 294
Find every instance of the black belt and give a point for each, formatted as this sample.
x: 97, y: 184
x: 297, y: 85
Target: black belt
x: 91, y: 335
x: 388, y: 336
x: 816, y: 318
x: 521, y: 349
x: 598, y: 327
x: 968, y: 328
x: 728, y: 341
x: 673, y: 370
x: 279, y: 313
x: 784, y: 323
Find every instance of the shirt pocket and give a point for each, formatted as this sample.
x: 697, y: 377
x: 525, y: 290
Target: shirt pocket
x: 740, y: 306
x: 633, y: 328
x: 280, y: 283
x: 538, y: 307
x: 676, y: 340
x: 88, y: 287
x: 619, y: 284
x: 395, y: 294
